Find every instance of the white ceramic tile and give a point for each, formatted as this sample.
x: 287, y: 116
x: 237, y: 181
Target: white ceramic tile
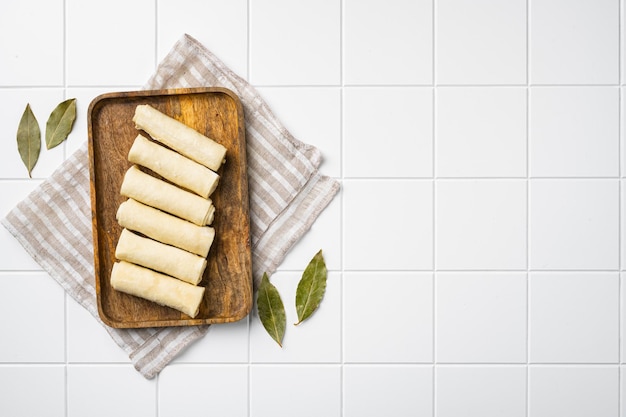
x: 574, y: 131
x: 485, y: 391
x: 221, y: 26
x: 109, y: 390
x: 16, y: 257
x: 106, y: 47
x: 622, y: 132
x: 574, y: 224
x: 41, y: 324
x: 480, y: 42
x: 387, y: 391
x: 402, y: 240
x: 481, y: 132
x: 224, y: 343
x: 574, y: 317
x: 388, y: 317
x: 325, y: 235
x: 312, y: 115
x: 481, y: 224
x: 218, y: 390
x: 573, y: 391
x: 87, y: 339
x: 32, y: 391
x: 31, y: 50
x: 295, y: 390
x: 294, y: 43
x: 398, y: 53
x: 574, y: 43
x: 623, y: 317
x: 481, y: 317
x: 315, y: 340
x: 388, y: 132
x: 623, y: 391
x: 12, y: 105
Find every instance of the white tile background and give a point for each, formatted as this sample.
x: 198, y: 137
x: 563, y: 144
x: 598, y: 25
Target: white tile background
x: 475, y: 251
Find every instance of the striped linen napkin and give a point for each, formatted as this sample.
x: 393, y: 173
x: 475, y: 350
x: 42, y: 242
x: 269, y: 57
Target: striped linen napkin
x: 286, y: 190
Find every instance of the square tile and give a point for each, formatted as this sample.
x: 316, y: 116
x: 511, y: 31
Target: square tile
x: 623, y: 317
x: 27, y: 56
x: 574, y: 317
x: 481, y: 317
x: 403, y: 241
x: 224, y: 343
x: 388, y: 391
x: 391, y: 140
x: 87, y: 339
x: 283, y: 390
x: 32, y: 391
x: 92, y: 46
x: 293, y: 43
x: 43, y: 322
x: 481, y: 42
x: 492, y: 391
x: 318, y: 339
x: 573, y: 391
x: 12, y: 105
x: 574, y: 44
x: 481, y: 132
x: 388, y: 317
x: 16, y: 258
x: 324, y: 234
x: 226, y: 17
x: 313, y: 115
x: 219, y: 390
x: 133, y: 395
x: 574, y: 131
x: 480, y: 224
x: 623, y: 391
x: 574, y: 224
x: 399, y: 54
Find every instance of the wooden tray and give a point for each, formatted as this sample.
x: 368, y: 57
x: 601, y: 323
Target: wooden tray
x: 217, y: 113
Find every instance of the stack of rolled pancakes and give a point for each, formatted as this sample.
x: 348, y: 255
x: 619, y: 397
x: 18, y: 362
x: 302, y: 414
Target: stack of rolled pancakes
x: 166, y: 234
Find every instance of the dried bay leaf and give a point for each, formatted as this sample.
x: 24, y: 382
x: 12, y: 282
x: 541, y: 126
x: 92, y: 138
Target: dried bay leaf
x: 311, y: 287
x: 29, y: 139
x: 60, y: 122
x: 271, y: 310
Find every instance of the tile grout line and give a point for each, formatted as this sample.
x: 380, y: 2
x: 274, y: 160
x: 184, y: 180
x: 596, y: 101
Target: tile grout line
x: 434, y: 205
x: 342, y: 374
x: 65, y: 296
x: 527, y: 393
x: 620, y: 196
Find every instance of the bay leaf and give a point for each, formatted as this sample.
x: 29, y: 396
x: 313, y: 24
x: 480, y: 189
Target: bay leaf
x: 29, y: 139
x: 311, y: 287
x: 271, y: 310
x: 60, y: 122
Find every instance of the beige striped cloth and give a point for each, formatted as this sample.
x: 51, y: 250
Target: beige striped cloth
x: 287, y: 193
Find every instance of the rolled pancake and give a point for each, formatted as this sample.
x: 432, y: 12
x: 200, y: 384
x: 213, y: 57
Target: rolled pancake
x: 167, y: 197
x: 174, y: 167
x: 165, y: 228
x: 179, y: 136
x: 159, y: 288
x: 161, y: 257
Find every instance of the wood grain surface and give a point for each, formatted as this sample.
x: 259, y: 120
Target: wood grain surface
x: 216, y: 113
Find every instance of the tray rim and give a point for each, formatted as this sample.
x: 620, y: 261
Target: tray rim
x: 134, y: 94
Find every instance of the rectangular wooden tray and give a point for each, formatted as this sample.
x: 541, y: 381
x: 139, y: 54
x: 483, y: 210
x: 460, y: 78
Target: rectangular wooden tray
x: 218, y: 114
